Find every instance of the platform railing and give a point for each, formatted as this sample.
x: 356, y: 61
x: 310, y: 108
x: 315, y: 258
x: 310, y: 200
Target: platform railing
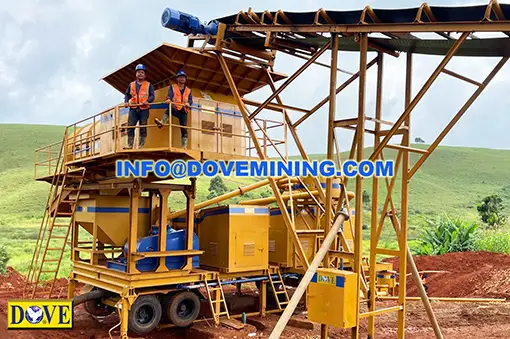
x: 263, y: 129
x: 46, y: 159
x: 105, y: 133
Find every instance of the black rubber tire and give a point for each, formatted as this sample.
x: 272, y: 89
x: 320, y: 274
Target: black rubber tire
x: 183, y: 308
x: 144, y: 315
x: 97, y: 308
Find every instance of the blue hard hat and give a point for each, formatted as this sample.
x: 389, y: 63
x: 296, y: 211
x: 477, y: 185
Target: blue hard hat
x: 140, y: 67
x: 181, y: 72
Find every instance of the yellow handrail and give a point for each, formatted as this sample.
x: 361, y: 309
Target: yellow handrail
x: 81, y: 141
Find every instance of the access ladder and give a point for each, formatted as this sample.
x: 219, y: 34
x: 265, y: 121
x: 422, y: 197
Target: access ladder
x: 54, y: 232
x: 216, y: 299
x: 281, y: 297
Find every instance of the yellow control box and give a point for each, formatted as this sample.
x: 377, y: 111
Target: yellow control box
x: 234, y: 238
x: 331, y: 298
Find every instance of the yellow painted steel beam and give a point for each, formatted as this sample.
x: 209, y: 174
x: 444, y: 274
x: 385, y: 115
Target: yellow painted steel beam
x: 223, y: 197
x: 412, y: 104
x: 447, y: 299
x: 285, y: 197
x: 272, y: 181
x: 359, y: 142
x: 375, y: 200
x: 381, y: 311
x: 291, y: 79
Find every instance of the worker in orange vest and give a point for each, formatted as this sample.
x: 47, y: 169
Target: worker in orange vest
x: 138, y: 96
x: 181, y: 99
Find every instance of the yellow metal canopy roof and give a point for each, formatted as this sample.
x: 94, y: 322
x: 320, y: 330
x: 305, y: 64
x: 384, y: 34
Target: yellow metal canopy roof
x: 203, y: 70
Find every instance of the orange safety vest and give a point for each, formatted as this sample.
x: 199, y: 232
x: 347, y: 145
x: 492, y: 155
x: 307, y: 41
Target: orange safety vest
x: 142, y: 96
x: 178, y: 99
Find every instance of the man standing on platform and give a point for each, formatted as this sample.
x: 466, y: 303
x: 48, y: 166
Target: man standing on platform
x: 138, y: 96
x: 181, y: 99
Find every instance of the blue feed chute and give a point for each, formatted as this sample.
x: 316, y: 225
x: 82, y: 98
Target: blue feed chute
x: 187, y: 23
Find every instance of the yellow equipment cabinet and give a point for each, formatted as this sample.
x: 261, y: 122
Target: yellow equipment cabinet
x: 234, y: 238
x: 281, y: 249
x: 331, y: 298
x: 108, y: 217
x: 387, y: 281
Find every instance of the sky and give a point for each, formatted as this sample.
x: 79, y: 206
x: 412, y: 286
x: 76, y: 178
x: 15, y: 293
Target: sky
x: 53, y: 53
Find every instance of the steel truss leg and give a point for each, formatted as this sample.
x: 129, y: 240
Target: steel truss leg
x: 358, y: 250
x: 338, y: 90
x: 419, y: 96
x: 290, y: 79
x: 375, y: 203
x: 402, y: 236
x: 304, y: 155
x: 457, y: 117
x: 274, y: 186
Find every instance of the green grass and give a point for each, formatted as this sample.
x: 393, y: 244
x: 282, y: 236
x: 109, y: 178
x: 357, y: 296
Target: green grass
x: 451, y: 181
x: 494, y: 241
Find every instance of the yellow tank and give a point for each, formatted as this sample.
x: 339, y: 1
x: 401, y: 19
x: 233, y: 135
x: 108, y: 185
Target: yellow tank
x: 234, y: 238
x: 386, y: 281
x: 110, y: 214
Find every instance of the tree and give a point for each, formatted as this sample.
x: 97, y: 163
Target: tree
x: 491, y: 210
x: 366, y: 198
x: 4, y: 258
x: 265, y: 194
x: 419, y: 140
x: 216, y: 187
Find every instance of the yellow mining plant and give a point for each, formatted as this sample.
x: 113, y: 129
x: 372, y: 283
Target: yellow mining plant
x: 147, y: 261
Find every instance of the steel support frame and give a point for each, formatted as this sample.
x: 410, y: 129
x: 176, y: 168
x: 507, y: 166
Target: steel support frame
x: 381, y: 142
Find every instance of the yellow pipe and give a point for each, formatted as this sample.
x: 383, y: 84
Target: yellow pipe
x: 220, y: 198
x: 285, y: 197
x: 459, y: 300
x: 380, y: 311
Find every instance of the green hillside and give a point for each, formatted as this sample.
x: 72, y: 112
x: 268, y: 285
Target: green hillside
x: 453, y: 180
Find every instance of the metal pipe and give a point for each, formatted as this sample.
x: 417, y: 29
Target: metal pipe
x: 239, y: 281
x: 223, y: 197
x: 300, y: 290
x: 445, y: 299
x: 286, y: 197
x: 423, y: 295
x: 330, y: 144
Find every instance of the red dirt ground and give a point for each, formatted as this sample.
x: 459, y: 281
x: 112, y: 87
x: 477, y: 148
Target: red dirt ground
x: 469, y: 275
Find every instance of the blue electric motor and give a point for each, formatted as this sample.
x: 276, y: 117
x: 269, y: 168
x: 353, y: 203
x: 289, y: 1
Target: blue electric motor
x: 187, y: 23
x: 175, y: 241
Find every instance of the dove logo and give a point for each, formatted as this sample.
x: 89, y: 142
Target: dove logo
x: 34, y: 314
